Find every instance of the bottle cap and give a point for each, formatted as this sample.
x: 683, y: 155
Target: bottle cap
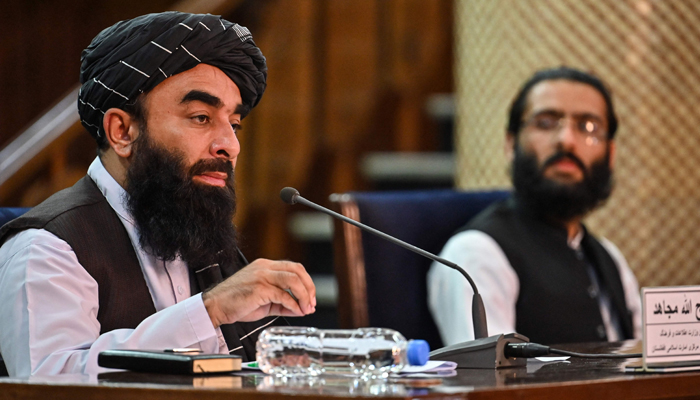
x: 418, y: 352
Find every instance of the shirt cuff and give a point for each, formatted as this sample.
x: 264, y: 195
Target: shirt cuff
x: 199, y: 319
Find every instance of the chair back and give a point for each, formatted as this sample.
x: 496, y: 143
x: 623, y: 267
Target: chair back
x: 381, y: 284
x: 7, y: 214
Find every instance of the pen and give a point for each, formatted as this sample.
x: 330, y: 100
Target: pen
x: 183, y: 350
x: 291, y: 294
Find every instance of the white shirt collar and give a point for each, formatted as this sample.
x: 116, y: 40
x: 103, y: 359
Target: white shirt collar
x: 575, y: 242
x: 115, y: 194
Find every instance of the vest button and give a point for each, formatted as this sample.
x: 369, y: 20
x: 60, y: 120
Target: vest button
x: 592, y: 291
x: 180, y: 289
x: 601, y: 331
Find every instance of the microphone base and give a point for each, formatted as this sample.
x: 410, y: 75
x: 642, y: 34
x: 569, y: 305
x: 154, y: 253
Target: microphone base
x: 486, y: 353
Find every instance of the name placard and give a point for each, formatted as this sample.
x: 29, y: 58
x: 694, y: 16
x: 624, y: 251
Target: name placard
x: 671, y: 318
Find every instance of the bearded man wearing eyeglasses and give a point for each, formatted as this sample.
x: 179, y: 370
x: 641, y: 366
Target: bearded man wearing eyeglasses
x: 539, y: 271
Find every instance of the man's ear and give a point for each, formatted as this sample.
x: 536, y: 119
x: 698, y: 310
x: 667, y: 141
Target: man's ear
x: 121, y: 130
x: 510, y: 146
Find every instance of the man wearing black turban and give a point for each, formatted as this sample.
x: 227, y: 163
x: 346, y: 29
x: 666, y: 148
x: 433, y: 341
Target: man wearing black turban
x: 142, y: 253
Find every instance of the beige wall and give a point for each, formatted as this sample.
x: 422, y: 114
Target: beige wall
x: 649, y: 54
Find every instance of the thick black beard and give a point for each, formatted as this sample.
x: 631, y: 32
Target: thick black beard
x: 176, y: 216
x: 560, y: 201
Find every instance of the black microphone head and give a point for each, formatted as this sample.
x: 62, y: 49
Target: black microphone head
x: 289, y: 195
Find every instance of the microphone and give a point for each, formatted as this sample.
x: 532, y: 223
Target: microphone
x: 485, y: 352
x: 291, y: 196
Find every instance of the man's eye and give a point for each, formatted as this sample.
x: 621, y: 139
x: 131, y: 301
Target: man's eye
x: 236, y: 127
x: 202, y: 119
x: 546, y: 123
x: 588, y: 126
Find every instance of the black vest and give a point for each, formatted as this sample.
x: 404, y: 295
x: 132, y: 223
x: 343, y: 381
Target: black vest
x: 82, y: 217
x: 555, y: 303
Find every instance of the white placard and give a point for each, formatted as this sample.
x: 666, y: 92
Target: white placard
x: 671, y: 318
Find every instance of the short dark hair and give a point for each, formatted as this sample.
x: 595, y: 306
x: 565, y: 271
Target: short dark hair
x: 517, y: 108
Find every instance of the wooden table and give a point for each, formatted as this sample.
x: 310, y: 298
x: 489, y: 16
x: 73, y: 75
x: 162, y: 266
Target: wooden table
x: 576, y: 379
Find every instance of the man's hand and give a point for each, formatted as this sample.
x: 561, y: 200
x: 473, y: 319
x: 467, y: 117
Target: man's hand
x: 259, y: 290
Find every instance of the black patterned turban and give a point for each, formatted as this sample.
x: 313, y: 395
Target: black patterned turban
x: 133, y: 56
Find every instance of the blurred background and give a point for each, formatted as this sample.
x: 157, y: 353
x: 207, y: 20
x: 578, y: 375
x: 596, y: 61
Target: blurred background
x: 387, y: 95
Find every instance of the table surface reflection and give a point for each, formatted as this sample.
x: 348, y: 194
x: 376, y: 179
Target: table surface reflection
x: 576, y: 378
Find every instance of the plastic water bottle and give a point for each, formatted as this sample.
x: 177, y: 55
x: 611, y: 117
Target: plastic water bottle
x: 364, y: 352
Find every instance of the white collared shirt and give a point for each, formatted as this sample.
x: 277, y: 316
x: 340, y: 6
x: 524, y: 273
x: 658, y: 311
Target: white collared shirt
x: 50, y: 302
x: 450, y: 295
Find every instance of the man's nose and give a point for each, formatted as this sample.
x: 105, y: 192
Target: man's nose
x: 567, y: 135
x: 225, y: 144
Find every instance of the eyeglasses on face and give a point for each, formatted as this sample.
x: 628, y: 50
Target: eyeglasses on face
x: 590, y: 129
